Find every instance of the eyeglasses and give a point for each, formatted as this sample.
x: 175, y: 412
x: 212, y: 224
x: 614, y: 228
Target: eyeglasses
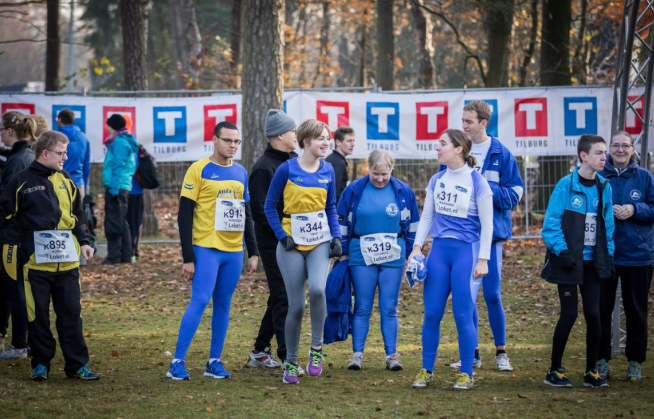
x: 621, y: 146
x: 61, y: 154
x: 230, y: 142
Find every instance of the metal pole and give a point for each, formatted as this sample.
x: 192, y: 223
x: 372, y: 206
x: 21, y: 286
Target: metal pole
x: 615, y: 326
x: 71, y: 38
x: 525, y: 180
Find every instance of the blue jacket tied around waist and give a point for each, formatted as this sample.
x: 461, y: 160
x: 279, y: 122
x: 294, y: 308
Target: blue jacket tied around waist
x: 338, y: 294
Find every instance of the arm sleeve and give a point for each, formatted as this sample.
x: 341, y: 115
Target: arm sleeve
x: 644, y: 211
x: 79, y: 231
x: 508, y: 192
x: 86, y: 171
x: 426, y: 219
x: 609, y: 220
x: 274, y: 193
x: 342, y: 213
x: 330, y: 209
x: 259, y: 184
x: 410, y: 236
x: 185, y: 224
x: 485, y: 207
x: 552, y: 231
x: 10, y: 201
x: 338, y: 176
x: 250, y: 238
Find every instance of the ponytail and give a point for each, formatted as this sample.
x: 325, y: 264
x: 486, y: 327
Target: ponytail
x: 26, y: 129
x: 471, y: 160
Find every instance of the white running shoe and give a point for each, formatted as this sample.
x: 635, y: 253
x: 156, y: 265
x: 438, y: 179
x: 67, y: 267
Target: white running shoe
x: 13, y: 353
x: 476, y: 363
x: 502, y: 362
x: 263, y: 359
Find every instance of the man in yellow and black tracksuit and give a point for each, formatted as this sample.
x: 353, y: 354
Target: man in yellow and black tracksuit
x: 43, y: 204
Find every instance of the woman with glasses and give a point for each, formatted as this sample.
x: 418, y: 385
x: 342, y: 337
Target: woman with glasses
x: 458, y: 213
x: 309, y: 235
x: 633, y: 210
x: 378, y: 215
x: 19, y: 133
x: 214, y: 221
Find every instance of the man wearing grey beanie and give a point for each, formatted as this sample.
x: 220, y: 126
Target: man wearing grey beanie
x: 280, y: 131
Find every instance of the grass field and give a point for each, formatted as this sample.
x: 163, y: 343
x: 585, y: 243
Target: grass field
x: 132, y: 314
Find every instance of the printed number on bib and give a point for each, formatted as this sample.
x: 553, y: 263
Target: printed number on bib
x: 379, y: 248
x: 590, y: 231
x: 230, y: 215
x: 452, y: 200
x: 55, y: 246
x: 310, y: 228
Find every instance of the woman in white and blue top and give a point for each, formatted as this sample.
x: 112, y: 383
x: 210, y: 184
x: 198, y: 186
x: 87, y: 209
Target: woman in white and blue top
x: 458, y: 213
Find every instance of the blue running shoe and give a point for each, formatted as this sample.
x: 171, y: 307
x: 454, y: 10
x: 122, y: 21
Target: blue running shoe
x: 83, y: 374
x: 593, y: 379
x: 557, y: 378
x: 40, y: 373
x: 216, y: 370
x: 634, y: 372
x: 603, y: 369
x: 177, y: 371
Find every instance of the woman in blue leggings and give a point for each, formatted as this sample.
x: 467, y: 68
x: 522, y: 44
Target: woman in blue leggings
x: 378, y: 216
x: 458, y: 202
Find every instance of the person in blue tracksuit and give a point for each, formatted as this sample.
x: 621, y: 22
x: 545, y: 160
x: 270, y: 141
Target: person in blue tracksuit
x: 378, y: 215
x: 578, y: 233
x: 633, y: 209
x: 78, y: 164
x: 458, y: 214
x: 498, y: 166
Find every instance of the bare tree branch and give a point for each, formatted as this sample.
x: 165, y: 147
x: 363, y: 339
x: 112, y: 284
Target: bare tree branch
x: 471, y: 54
x: 23, y: 3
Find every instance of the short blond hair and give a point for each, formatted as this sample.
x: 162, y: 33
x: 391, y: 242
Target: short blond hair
x: 309, y: 130
x: 380, y: 158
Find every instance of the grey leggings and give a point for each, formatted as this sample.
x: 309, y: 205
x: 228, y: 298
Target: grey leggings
x: 295, y: 266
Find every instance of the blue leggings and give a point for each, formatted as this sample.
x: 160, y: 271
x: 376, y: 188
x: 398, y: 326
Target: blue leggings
x: 450, y: 267
x: 365, y: 280
x: 216, y: 276
x: 492, y: 287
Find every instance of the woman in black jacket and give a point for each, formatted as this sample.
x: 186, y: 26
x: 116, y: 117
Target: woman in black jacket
x: 19, y: 133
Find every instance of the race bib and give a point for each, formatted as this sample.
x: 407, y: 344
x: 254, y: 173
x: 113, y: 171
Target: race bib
x: 230, y: 215
x: 310, y: 228
x: 379, y: 248
x: 55, y: 246
x: 452, y: 200
x: 590, y: 231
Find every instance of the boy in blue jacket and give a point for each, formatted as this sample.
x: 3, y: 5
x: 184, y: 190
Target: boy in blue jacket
x: 578, y: 233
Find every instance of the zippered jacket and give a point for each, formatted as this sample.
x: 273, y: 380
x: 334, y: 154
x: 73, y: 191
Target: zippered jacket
x: 564, y: 229
x: 38, y: 199
x: 406, y: 202
x: 119, y: 165
x: 78, y: 164
x: 634, y: 237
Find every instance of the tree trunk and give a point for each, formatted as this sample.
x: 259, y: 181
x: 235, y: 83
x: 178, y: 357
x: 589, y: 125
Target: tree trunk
x: 555, y: 43
x: 532, y: 44
x: 262, y: 75
x: 135, y: 47
x: 235, y: 43
x: 52, y: 55
x: 423, y: 31
x: 177, y: 42
x: 192, y: 43
x: 385, y: 45
x: 362, y: 47
x: 499, y: 22
x: 579, y: 61
x: 324, y: 43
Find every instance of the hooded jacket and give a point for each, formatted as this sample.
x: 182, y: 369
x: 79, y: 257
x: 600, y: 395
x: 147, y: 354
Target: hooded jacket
x: 78, y: 164
x: 20, y: 157
x: 119, y: 165
x: 564, y: 229
x: 634, y: 237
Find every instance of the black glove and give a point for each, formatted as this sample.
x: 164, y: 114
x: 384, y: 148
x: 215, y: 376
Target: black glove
x: 566, y: 261
x: 335, y: 248
x: 288, y: 243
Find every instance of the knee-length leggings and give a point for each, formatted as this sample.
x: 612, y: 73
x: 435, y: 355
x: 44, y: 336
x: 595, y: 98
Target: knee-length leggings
x: 450, y: 267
